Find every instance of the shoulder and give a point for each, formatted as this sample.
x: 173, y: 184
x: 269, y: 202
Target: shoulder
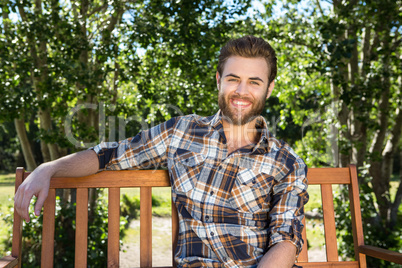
x: 190, y: 121
x: 280, y: 149
x: 178, y: 121
x: 282, y: 159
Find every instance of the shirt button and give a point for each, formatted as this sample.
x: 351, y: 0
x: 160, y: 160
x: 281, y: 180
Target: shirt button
x: 206, y: 218
x: 212, y: 192
x: 225, y: 259
x: 253, y: 181
x: 212, y: 233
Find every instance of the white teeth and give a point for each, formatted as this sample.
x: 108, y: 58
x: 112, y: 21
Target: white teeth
x: 240, y: 103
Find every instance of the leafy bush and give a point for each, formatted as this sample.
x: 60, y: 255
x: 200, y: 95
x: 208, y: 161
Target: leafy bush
x: 376, y: 233
x: 156, y: 201
x: 65, y: 234
x: 65, y: 231
x: 129, y: 207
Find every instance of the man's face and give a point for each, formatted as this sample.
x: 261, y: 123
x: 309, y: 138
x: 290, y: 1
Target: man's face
x: 243, y: 89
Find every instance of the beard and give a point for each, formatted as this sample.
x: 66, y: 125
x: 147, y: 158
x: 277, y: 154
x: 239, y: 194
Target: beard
x: 238, y: 116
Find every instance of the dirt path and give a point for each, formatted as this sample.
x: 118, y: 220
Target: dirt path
x: 162, y: 245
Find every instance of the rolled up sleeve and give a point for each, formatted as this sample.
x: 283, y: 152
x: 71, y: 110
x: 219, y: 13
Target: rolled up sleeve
x: 148, y: 149
x: 289, y: 197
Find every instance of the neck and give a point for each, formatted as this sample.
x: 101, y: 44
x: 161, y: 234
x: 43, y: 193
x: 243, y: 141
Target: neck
x: 238, y: 136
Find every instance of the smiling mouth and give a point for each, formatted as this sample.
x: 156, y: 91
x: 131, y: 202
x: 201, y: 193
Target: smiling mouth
x: 242, y: 104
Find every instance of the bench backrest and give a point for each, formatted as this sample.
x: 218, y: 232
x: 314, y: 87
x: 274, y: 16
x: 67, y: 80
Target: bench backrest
x: 145, y: 180
x: 326, y: 178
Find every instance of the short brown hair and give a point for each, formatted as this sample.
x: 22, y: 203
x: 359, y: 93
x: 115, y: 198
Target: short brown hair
x: 249, y: 47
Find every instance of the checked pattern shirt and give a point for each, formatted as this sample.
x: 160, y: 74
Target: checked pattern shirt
x: 232, y: 207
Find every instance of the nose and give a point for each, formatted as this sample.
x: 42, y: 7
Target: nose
x: 242, y: 89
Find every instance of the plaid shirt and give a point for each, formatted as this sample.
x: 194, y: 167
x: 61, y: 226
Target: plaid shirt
x: 232, y: 207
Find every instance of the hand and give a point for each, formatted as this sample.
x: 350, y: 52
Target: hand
x: 37, y: 183
x: 282, y: 254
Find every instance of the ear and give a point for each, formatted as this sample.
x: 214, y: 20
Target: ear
x: 270, y: 89
x: 218, y: 79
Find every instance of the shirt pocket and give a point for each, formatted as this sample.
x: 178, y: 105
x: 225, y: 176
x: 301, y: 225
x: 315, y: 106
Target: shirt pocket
x: 186, y: 170
x: 251, y: 191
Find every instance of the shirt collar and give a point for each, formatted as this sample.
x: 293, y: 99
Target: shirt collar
x: 262, y: 145
x: 213, y: 120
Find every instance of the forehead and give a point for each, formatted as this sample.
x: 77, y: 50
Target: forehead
x: 246, y: 67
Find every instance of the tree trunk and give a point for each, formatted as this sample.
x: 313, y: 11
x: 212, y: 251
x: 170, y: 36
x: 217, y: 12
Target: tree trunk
x: 388, y: 159
x: 46, y: 125
x: 380, y: 180
x: 38, y: 50
x: 25, y: 145
x: 398, y: 195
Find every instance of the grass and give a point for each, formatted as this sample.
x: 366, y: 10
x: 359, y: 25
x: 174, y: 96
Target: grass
x: 314, y: 227
x: 314, y: 202
x: 6, y: 195
x: 7, y: 179
x: 6, y: 189
x: 163, y: 194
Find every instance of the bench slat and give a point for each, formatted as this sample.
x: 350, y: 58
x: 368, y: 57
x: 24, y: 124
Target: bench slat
x: 328, y: 176
x: 303, y: 256
x: 8, y: 262
x: 175, y: 231
x: 81, y: 230
x: 346, y: 264
x: 107, y: 179
x: 146, y: 227
x: 113, y: 243
x: 329, y: 222
x: 17, y: 224
x: 48, y: 225
x: 357, y: 226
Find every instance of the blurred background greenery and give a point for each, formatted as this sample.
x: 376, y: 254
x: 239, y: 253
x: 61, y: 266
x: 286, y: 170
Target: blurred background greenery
x: 75, y: 73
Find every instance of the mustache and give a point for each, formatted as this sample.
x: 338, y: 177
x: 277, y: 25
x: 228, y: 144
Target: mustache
x: 239, y: 97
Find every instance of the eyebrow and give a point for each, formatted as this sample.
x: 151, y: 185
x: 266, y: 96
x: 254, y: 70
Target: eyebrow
x: 235, y: 76
x: 256, y: 78
x: 251, y: 78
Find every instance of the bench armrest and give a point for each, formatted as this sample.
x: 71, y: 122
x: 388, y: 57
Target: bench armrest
x: 8, y: 262
x: 380, y: 253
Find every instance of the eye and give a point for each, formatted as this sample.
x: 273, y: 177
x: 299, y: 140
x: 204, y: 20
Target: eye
x: 255, y: 83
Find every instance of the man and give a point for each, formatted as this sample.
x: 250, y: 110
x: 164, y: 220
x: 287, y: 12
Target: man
x: 239, y: 191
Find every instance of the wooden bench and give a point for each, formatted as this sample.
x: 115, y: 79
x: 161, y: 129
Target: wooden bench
x: 145, y: 180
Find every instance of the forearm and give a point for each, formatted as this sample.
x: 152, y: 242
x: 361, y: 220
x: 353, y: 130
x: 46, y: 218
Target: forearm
x: 281, y: 255
x: 38, y: 182
x: 79, y: 164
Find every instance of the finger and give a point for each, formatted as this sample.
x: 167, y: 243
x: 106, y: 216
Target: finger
x: 24, y: 209
x: 18, y: 201
x: 39, y: 202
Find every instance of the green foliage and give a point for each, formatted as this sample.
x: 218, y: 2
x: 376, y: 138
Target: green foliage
x: 340, y: 84
x: 9, y: 147
x: 129, y: 207
x: 376, y: 231
x: 335, y: 100
x: 64, y: 235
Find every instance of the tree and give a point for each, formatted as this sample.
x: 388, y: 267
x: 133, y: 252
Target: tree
x: 342, y: 85
x: 77, y: 62
x: 182, y: 42
x: 15, y: 82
